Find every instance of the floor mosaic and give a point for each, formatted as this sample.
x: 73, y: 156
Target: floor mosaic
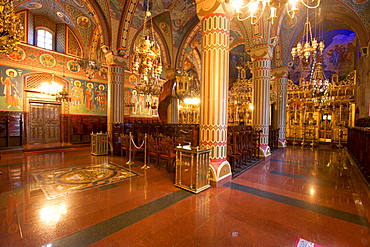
x: 77, y: 178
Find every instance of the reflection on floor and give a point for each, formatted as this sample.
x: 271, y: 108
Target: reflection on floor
x: 294, y: 196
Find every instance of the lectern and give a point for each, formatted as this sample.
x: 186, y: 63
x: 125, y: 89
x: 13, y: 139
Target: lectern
x: 192, y: 168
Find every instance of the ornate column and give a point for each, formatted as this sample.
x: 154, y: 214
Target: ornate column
x: 261, y: 57
x: 215, y: 20
x: 115, y: 91
x: 281, y: 81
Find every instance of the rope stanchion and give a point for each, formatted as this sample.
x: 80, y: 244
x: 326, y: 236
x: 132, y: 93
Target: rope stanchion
x: 143, y: 144
x: 129, y: 162
x: 145, y: 166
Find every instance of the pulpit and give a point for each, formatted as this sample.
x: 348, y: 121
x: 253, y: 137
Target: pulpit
x: 192, y: 168
x: 99, y: 143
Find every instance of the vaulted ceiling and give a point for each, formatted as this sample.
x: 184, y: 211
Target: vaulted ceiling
x: 118, y: 23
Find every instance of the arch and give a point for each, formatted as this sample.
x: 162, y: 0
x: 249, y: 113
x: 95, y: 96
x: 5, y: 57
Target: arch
x: 188, y: 42
x: 101, y: 23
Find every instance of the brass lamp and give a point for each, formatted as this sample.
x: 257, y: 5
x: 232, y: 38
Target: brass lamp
x: 182, y: 83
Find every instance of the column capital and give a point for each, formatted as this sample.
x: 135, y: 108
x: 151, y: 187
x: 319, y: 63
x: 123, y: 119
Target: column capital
x: 207, y: 7
x: 262, y: 51
x: 112, y: 59
x: 279, y: 72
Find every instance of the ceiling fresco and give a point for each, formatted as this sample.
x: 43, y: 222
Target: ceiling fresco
x: 122, y: 20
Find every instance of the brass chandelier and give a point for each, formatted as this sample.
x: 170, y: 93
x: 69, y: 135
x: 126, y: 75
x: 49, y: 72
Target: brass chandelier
x: 147, y: 61
x: 308, y: 47
x: 88, y: 63
x: 90, y: 66
x: 254, y: 9
x: 11, y: 28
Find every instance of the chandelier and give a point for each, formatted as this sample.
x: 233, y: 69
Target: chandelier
x: 89, y: 65
x: 56, y: 89
x: 146, y: 60
x: 51, y: 88
x: 11, y: 28
x: 308, y: 47
x: 254, y: 9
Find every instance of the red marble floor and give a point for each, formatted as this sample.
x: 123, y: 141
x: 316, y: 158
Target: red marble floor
x: 316, y: 195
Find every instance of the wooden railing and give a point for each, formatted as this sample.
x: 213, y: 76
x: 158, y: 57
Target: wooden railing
x: 358, y: 145
x: 242, y: 147
x: 82, y: 126
x: 11, y: 129
x: 274, y: 139
x: 187, y: 133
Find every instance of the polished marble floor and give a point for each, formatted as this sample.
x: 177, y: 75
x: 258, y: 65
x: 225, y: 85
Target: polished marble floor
x: 316, y: 195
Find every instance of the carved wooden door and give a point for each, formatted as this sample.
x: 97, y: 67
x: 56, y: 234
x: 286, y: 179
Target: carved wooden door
x: 44, y: 123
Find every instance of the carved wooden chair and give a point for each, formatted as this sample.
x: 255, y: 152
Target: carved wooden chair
x: 233, y: 155
x: 153, y: 150
x: 167, y: 153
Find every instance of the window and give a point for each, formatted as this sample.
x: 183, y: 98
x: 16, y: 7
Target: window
x: 44, y: 39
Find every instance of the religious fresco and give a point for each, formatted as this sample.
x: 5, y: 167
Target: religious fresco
x: 73, y: 66
x: 47, y: 60
x: 238, y: 58
x: 142, y: 105
x: 115, y: 9
x: 17, y: 55
x: 88, y: 98
x: 11, y: 89
x: 341, y: 50
x: 182, y: 14
x: 83, y: 22
x: 236, y: 35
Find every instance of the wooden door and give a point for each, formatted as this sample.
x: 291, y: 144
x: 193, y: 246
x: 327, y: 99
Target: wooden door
x: 44, y: 124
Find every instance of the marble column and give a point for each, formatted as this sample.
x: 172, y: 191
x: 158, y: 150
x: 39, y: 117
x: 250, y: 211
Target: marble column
x: 115, y: 92
x: 261, y: 58
x: 281, y: 81
x: 215, y: 21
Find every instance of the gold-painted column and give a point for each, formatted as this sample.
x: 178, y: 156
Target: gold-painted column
x: 215, y: 23
x: 115, y: 92
x: 281, y: 81
x: 261, y: 69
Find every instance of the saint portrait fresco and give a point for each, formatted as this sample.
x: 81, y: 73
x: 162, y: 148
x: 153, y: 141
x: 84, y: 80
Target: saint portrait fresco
x: 11, y: 90
x: 47, y: 60
x: 17, y: 55
x: 73, y: 66
x: 83, y: 22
